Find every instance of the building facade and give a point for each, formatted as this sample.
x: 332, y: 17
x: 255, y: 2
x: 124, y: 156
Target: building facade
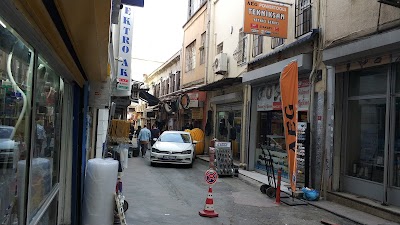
x: 48, y: 56
x: 362, y: 61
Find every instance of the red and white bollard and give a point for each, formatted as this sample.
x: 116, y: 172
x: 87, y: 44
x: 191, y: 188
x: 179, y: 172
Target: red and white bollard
x: 278, y: 188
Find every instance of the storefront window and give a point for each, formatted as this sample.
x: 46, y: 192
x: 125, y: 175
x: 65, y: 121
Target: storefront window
x: 366, y: 138
x: 46, y: 155
x: 369, y: 81
x: 229, y: 129
x: 16, y: 66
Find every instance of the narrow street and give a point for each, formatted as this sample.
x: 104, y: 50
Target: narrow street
x: 175, y: 194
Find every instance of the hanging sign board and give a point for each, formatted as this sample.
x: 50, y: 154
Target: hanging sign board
x: 125, y: 49
x: 264, y: 18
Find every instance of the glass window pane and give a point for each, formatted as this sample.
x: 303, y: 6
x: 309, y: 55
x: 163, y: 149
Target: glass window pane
x: 366, y: 139
x: 50, y: 216
x: 45, y: 162
x: 15, y: 96
x: 396, y: 158
x: 368, y: 81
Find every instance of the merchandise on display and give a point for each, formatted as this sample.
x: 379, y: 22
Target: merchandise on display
x: 98, y: 200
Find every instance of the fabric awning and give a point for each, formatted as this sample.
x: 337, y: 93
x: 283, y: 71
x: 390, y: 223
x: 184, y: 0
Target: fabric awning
x: 149, y: 98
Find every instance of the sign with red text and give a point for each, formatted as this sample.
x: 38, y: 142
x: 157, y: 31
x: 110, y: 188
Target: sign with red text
x: 264, y: 18
x: 269, y: 96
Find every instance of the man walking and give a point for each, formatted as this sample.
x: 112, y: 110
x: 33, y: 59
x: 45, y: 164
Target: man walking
x: 144, y: 139
x: 155, y: 133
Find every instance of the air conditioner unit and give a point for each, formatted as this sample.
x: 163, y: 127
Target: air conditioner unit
x: 220, y: 65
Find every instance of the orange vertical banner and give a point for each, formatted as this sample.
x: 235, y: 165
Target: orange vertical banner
x: 289, y: 92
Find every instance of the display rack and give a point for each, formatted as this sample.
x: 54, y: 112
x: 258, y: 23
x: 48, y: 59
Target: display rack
x: 223, y: 159
x: 302, y: 152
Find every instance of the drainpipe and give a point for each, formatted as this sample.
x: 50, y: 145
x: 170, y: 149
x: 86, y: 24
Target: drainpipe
x: 207, y: 42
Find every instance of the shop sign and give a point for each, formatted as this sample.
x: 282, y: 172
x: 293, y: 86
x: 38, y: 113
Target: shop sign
x: 185, y: 101
x: 289, y: 84
x: 125, y: 49
x: 264, y: 18
x: 197, y: 113
x: 269, y: 96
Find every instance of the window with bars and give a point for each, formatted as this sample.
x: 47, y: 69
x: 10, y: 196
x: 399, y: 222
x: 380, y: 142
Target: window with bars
x: 241, y: 52
x: 202, y: 49
x: 303, y: 17
x: 257, y: 45
x: 275, y: 42
x: 190, y: 56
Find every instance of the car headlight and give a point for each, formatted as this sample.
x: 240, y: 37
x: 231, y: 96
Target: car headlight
x: 187, y: 152
x: 155, y: 150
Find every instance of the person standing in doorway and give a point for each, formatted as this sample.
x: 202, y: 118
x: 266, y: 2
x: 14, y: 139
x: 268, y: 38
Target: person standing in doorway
x: 155, y: 133
x: 144, y: 139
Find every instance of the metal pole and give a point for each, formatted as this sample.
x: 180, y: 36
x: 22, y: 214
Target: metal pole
x: 278, y: 188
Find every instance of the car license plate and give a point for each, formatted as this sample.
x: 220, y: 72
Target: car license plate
x: 169, y: 157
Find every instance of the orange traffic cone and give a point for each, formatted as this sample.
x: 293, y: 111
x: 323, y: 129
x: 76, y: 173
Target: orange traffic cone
x: 209, y: 207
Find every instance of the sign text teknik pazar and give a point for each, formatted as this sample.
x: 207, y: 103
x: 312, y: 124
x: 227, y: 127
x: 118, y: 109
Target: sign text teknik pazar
x: 265, y: 19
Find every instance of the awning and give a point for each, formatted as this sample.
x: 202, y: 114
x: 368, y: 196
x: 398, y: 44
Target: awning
x: 76, y: 31
x: 221, y: 84
x: 304, y: 62
x: 382, y: 43
x: 306, y: 38
x: 149, y: 98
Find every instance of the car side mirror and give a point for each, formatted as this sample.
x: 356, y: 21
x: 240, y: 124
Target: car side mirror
x: 154, y: 139
x: 195, y: 142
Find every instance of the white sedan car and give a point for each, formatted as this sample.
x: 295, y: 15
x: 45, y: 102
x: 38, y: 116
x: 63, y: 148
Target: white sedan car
x: 174, y: 147
x: 7, y: 146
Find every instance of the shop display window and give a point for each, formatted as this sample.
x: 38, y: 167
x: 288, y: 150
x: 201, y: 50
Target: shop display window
x: 229, y: 129
x: 271, y: 136
x: 366, y: 124
x: 16, y: 72
x: 46, y: 154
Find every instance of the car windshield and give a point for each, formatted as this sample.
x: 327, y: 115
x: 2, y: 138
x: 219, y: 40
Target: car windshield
x: 175, y: 137
x: 5, y: 132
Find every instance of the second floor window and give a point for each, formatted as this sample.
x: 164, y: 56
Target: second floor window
x: 303, y: 17
x: 241, y: 51
x: 275, y: 42
x: 220, y: 48
x: 257, y: 45
x: 202, y: 49
x: 190, y: 57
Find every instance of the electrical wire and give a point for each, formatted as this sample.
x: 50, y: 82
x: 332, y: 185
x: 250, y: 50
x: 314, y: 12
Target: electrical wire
x: 16, y: 88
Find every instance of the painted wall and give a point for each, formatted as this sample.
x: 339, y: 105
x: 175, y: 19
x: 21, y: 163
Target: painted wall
x: 192, y: 32
x: 171, y: 66
x: 347, y: 20
x: 226, y: 21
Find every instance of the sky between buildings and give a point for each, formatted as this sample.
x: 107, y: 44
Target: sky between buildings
x: 157, y: 34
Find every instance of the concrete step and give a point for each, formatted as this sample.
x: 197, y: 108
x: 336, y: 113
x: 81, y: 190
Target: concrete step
x: 391, y: 213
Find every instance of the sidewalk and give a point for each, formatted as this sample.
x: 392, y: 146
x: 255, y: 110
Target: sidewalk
x: 354, y: 215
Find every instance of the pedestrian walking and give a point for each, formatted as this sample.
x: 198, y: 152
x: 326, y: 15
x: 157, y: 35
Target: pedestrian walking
x: 155, y: 133
x: 144, y: 139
